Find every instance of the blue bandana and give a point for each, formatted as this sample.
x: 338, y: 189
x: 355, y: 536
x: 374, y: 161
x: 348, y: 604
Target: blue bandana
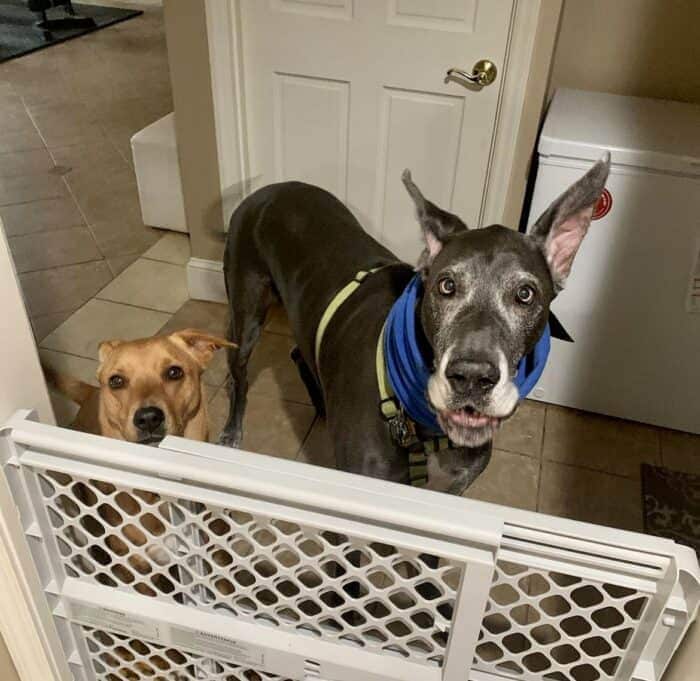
x: 408, y: 359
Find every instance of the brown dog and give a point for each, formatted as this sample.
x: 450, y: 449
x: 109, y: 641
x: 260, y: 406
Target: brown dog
x: 149, y: 388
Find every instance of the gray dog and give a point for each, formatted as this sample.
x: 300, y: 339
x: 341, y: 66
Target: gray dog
x: 485, y: 303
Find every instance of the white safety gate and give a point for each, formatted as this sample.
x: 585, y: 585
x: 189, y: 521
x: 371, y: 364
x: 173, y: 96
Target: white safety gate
x: 193, y: 562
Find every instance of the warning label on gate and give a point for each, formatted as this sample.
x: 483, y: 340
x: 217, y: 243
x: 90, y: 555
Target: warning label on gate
x: 200, y: 642
x: 217, y: 646
x: 115, y: 620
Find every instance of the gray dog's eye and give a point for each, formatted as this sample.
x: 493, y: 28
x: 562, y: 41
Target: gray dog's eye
x: 525, y: 295
x: 446, y: 286
x: 116, y: 382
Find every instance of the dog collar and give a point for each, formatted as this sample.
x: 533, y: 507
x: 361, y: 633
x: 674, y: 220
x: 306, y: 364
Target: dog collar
x: 408, y: 360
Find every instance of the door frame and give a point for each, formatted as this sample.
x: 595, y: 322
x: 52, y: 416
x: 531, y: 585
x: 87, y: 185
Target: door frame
x: 525, y: 73
x: 25, y: 621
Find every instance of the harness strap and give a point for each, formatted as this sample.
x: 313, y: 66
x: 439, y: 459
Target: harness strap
x: 387, y: 401
x: 335, y: 303
x: 390, y: 408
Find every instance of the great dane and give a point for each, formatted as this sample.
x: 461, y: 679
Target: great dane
x: 485, y: 303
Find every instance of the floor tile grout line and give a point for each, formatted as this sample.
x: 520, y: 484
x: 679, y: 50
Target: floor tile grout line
x: 271, y: 394
x: 308, y: 436
x: 305, y: 438
x: 137, y: 307
x: 515, y: 451
x: 139, y: 257
x: 167, y: 262
x: 56, y: 267
x: 89, y: 300
x: 62, y: 267
x: 660, y: 449
x: 82, y: 213
x: 64, y: 352
x: 274, y: 333
x: 40, y: 231
x: 24, y: 203
x: 66, y: 184
x: 593, y: 470
x: 541, y: 458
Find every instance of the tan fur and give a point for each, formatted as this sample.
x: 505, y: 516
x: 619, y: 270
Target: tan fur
x: 109, y: 412
x: 143, y: 364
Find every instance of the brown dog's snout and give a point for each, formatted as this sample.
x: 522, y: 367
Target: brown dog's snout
x: 149, y: 419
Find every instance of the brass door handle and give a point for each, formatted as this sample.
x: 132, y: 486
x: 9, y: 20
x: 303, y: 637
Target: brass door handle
x: 483, y: 73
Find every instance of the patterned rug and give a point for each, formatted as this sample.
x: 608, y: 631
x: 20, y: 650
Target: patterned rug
x: 672, y: 505
x: 19, y: 36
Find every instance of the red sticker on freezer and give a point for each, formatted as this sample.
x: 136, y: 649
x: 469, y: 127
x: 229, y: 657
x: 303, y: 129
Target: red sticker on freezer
x: 603, y: 205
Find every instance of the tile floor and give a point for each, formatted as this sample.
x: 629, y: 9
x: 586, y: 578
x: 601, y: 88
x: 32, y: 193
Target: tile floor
x: 91, y: 270
x: 68, y: 196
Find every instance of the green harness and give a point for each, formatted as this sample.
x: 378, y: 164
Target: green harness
x: 401, y: 427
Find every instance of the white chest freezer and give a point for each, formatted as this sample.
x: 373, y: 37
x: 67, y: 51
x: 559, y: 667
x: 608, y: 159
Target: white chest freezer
x: 632, y: 302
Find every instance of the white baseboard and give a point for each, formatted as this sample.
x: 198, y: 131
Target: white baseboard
x: 205, y: 280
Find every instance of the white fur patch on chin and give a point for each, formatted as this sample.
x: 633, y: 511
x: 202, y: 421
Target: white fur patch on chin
x: 504, y: 396
x: 439, y: 390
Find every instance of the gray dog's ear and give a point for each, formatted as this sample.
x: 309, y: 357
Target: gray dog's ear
x: 438, y: 225
x: 561, y: 228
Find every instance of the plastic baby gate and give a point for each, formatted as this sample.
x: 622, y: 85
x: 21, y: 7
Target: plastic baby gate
x: 191, y: 561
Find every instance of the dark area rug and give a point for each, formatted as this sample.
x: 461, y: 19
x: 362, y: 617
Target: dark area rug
x: 672, y: 505
x: 19, y: 35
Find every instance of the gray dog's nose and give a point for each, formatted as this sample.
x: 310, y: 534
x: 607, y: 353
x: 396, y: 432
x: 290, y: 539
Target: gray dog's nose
x: 149, y: 419
x: 468, y: 377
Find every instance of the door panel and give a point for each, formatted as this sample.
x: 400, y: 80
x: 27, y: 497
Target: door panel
x: 442, y: 15
x: 439, y: 118
x: 311, y: 131
x: 346, y: 94
x: 329, y: 9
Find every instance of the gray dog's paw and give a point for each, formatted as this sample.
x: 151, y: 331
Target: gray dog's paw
x: 230, y: 439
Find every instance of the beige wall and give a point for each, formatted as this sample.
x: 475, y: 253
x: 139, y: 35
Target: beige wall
x: 648, y: 48
x: 7, y: 669
x: 188, y: 58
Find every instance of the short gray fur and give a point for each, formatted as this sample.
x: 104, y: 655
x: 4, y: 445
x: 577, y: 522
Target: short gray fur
x: 297, y: 243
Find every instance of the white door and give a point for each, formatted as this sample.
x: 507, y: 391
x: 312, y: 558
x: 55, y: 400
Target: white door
x: 347, y: 93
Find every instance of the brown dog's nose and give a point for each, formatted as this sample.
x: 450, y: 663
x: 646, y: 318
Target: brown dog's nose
x: 149, y: 419
x: 466, y: 376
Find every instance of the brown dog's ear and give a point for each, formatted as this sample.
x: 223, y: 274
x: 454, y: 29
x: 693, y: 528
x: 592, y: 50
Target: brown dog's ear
x: 560, y: 229
x: 105, y: 348
x: 200, y: 345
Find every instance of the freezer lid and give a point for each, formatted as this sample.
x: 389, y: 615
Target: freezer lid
x: 647, y: 133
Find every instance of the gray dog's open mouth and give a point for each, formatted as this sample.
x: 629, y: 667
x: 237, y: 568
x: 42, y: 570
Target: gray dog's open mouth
x: 468, y: 417
x: 467, y: 427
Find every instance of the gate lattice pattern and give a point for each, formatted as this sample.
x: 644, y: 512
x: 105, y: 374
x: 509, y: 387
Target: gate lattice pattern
x: 312, y: 580
x: 554, y: 626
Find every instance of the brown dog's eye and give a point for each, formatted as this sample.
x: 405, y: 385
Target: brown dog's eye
x: 174, y: 373
x: 525, y: 295
x: 116, y: 382
x: 446, y: 286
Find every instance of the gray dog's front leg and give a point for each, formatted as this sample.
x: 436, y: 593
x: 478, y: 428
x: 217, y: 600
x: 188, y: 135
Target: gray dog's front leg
x: 454, y: 470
